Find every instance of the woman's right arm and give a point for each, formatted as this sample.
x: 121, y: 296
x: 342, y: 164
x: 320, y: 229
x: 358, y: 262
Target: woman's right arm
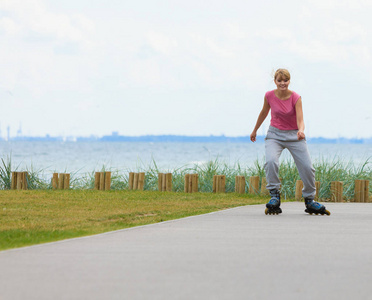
x: 261, y: 117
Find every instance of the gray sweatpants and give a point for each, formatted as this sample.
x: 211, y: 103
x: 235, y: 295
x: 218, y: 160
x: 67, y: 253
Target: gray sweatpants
x: 275, y: 142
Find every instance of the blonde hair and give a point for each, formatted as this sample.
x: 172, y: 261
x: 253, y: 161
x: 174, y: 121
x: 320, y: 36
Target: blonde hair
x: 282, y: 73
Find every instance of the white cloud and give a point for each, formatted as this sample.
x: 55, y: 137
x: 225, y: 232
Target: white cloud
x: 86, y: 53
x: 34, y: 38
x: 8, y: 26
x: 162, y: 43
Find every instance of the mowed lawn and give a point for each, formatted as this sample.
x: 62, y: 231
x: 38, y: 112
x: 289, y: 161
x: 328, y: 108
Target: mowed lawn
x: 39, y: 216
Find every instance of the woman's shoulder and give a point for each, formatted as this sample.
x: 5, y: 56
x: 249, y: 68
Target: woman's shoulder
x: 295, y: 96
x: 269, y: 94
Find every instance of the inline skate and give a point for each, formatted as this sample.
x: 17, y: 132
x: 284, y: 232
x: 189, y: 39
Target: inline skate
x: 313, y: 207
x: 273, y: 206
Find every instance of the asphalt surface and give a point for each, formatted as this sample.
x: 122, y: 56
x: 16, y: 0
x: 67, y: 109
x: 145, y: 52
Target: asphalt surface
x: 235, y: 254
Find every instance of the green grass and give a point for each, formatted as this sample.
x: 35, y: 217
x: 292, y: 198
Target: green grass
x: 40, y: 216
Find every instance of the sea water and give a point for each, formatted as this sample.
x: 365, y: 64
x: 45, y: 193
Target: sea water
x: 81, y: 157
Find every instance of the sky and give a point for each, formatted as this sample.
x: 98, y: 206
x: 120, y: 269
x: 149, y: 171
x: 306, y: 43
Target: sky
x: 92, y: 67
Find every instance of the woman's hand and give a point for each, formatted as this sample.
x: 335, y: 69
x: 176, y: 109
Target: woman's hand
x: 300, y: 135
x: 253, y: 136
x: 261, y: 117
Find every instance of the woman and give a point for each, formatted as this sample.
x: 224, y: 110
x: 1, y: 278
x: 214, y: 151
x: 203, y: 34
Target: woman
x: 286, y: 132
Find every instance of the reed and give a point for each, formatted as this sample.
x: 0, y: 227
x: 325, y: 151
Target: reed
x: 6, y: 173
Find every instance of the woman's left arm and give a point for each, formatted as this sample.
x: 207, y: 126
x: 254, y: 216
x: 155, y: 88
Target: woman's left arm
x: 300, y: 120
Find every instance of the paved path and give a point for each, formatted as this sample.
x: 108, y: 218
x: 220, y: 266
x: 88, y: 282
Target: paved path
x: 234, y: 254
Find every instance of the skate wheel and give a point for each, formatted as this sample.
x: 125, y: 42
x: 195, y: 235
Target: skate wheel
x: 266, y: 211
x: 327, y: 212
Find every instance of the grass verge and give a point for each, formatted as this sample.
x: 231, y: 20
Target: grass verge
x: 40, y: 216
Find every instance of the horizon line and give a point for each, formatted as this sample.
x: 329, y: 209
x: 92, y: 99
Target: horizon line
x: 115, y: 137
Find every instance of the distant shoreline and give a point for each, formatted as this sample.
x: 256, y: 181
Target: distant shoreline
x: 179, y: 139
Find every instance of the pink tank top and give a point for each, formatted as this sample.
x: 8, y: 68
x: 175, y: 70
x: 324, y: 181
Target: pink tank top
x: 283, y: 112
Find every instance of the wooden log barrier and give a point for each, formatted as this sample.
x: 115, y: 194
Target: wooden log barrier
x: 165, y: 182
x: 361, y: 192
x: 317, y: 187
x: 102, y: 181
x: 298, y: 192
x: 254, y: 182
x: 336, y: 191
x: 137, y: 181
x: 191, y: 183
x: 19, y: 181
x: 61, y: 181
x: 264, y: 190
x: 219, y: 184
x: 240, y: 184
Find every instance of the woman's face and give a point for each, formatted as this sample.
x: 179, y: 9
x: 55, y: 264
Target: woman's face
x: 282, y: 83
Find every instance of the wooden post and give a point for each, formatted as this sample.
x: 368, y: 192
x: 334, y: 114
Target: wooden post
x: 13, y: 185
x: 97, y: 180
x: 141, y: 181
x: 336, y: 191
x: 24, y: 180
x: 187, y: 183
x: 130, y: 181
x: 254, y: 182
x: 191, y: 183
x: 101, y: 181
x: 333, y: 191
x: 299, y: 187
x: 60, y: 181
x: 358, y: 192
x: 190, y: 186
x: 66, y: 181
x: 107, y: 186
x: 55, y: 181
x: 240, y: 184
x: 317, y: 187
x: 222, y: 184
x: 135, y: 181
x: 160, y: 182
x: 366, y: 190
x: 361, y: 192
x: 165, y: 182
x: 19, y: 181
x: 219, y: 184
x: 168, y: 186
x: 364, y: 187
x: 340, y: 188
x: 264, y: 190
x: 195, y: 183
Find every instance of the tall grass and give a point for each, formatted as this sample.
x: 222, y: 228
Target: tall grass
x: 326, y: 170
